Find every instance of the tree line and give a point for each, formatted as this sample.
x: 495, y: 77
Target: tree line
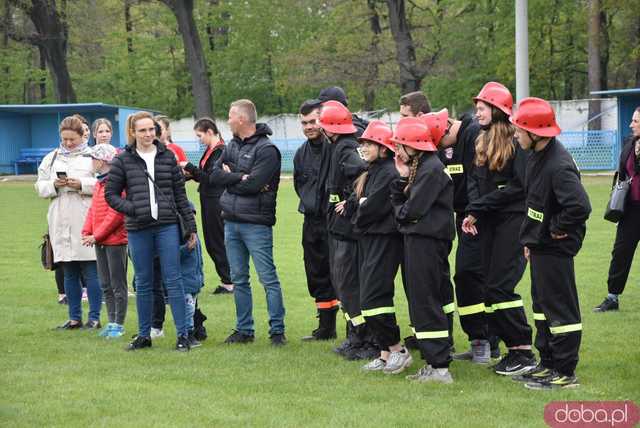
x: 193, y: 57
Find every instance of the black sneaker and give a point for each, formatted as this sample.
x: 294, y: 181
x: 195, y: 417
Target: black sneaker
x: 278, y: 339
x: 200, y: 333
x: 343, y: 347
x: 93, y: 325
x: 193, y: 342
x: 607, y: 305
x: 182, y: 344
x: 536, y: 374
x: 554, y: 381
x: 70, y: 325
x: 514, y: 363
x: 222, y: 290
x: 139, y: 342
x: 237, y: 337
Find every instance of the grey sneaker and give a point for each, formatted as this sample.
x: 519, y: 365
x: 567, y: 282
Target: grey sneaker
x: 398, y: 361
x: 463, y: 356
x: 375, y: 365
x: 481, y: 350
x: 429, y: 374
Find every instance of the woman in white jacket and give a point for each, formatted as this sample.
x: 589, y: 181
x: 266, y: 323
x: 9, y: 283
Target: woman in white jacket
x: 65, y: 176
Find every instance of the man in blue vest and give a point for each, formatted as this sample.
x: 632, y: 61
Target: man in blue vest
x: 249, y: 168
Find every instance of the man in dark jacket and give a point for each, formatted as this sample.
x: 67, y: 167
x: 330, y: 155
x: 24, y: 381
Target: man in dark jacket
x: 310, y: 170
x: 249, y: 169
x: 552, y: 232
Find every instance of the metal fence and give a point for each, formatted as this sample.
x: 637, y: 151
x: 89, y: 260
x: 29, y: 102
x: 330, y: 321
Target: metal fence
x: 592, y: 150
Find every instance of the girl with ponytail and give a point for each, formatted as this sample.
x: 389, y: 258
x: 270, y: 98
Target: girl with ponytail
x: 422, y: 200
x: 495, y: 213
x: 379, y: 247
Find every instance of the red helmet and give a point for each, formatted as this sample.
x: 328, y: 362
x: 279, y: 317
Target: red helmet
x: 437, y: 123
x: 536, y: 116
x: 413, y: 132
x: 497, y: 95
x: 378, y: 132
x: 336, y: 118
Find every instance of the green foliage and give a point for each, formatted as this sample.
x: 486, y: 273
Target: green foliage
x: 280, y: 52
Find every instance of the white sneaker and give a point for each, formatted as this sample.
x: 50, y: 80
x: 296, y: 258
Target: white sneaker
x: 375, y: 365
x: 157, y: 333
x: 398, y: 361
x: 429, y: 374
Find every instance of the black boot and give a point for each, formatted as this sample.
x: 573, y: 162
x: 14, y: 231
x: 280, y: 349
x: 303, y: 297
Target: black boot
x: 358, y: 343
x: 199, y: 331
x: 346, y: 345
x: 327, y: 326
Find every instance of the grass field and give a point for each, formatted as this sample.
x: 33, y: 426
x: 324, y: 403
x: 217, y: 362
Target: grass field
x: 74, y: 378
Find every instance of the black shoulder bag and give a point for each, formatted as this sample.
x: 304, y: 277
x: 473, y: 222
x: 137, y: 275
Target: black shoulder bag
x: 46, y: 249
x: 615, y: 207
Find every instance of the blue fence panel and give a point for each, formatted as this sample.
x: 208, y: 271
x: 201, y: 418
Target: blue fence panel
x: 287, y: 150
x: 592, y: 150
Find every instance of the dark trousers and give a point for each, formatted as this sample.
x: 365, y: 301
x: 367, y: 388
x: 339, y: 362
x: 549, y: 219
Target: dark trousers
x: 112, y: 273
x: 213, y: 230
x: 159, y: 297
x: 424, y: 260
x: 624, y: 248
x: 315, y: 245
x: 504, y: 263
x: 343, y: 256
x: 470, y: 283
x: 556, y: 311
x: 379, y: 259
x: 59, y: 273
x: 449, y: 306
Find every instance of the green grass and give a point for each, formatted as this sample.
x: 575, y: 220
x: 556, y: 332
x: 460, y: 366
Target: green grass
x: 77, y: 379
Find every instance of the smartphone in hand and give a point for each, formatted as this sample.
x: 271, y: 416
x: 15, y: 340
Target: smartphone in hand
x: 62, y: 175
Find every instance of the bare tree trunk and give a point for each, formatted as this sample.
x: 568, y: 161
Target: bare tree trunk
x: 128, y: 25
x: 194, y: 56
x: 637, y: 62
x: 594, y: 60
x: 6, y: 70
x: 605, y: 43
x: 43, y: 80
x: 372, y: 70
x: 410, y: 78
x: 52, y: 37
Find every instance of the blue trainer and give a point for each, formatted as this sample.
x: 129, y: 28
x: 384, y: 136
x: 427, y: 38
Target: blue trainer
x: 105, y: 331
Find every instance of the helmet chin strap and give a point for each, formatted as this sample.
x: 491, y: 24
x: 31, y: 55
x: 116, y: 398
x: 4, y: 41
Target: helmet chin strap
x: 534, y: 141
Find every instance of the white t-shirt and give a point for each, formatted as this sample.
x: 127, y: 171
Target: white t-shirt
x: 150, y: 158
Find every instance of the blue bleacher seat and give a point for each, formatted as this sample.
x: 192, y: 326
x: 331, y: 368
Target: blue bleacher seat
x: 31, y: 156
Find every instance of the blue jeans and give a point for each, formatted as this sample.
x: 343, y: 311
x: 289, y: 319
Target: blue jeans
x: 143, y: 245
x: 243, y: 240
x: 73, y: 288
x: 190, y: 301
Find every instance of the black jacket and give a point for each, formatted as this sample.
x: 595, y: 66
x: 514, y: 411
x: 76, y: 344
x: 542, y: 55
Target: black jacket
x: 128, y: 173
x: 375, y: 215
x: 360, y: 124
x: 460, y: 164
x: 345, y: 166
x: 498, y: 191
x: 556, y: 202
x: 206, y: 185
x: 627, y: 147
x: 310, y: 170
x: 427, y: 210
x: 252, y: 200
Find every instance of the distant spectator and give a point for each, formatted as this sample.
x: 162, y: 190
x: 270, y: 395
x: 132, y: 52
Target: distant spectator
x: 165, y: 138
x: 414, y: 103
x: 102, y: 131
x: 628, y: 231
